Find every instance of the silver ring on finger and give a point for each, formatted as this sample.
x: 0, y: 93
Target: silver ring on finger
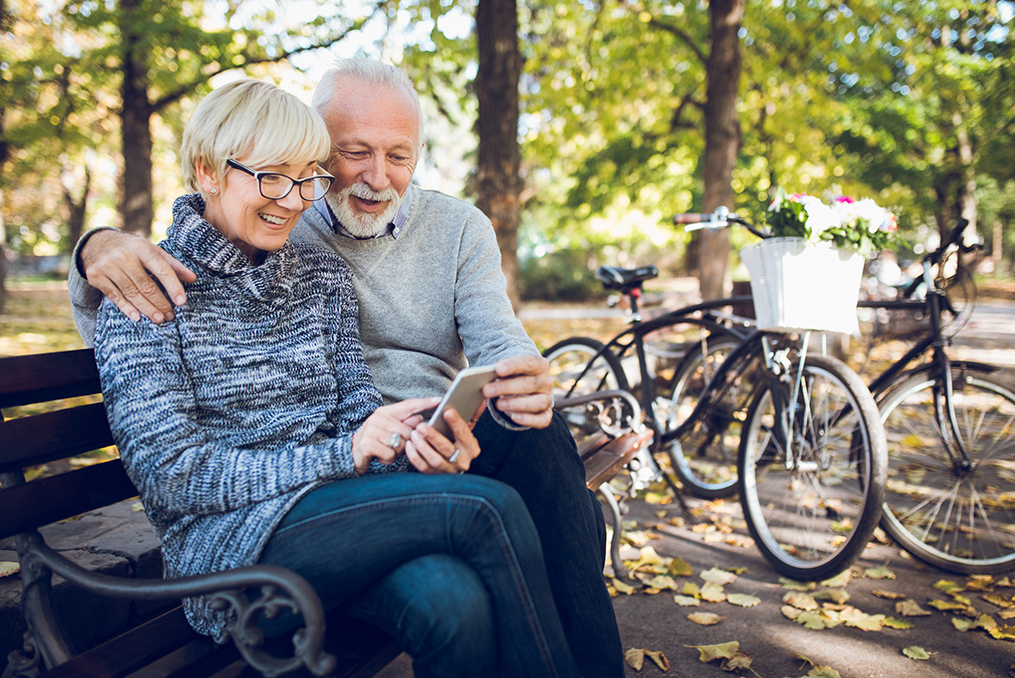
x: 454, y: 457
x: 395, y: 440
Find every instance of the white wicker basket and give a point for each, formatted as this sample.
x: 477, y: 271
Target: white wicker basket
x: 799, y: 285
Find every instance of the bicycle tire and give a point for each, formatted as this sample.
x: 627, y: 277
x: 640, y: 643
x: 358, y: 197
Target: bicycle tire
x: 960, y: 518
x: 710, y: 472
x: 813, y: 521
x: 568, y: 360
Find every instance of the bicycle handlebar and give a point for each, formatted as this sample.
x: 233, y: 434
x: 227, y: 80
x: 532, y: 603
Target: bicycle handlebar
x: 713, y: 221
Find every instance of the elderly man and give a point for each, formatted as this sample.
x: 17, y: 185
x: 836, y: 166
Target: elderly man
x: 426, y: 269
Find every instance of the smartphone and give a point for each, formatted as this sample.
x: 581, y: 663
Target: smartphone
x: 463, y: 396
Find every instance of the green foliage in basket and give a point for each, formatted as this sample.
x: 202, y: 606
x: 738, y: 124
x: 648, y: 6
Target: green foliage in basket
x: 849, y: 224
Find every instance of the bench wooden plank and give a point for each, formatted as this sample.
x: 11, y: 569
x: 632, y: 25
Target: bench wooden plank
x: 47, y: 376
x: 41, y: 438
x: 49, y: 500
x: 607, y: 461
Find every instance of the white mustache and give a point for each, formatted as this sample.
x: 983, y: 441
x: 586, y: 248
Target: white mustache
x: 363, y: 191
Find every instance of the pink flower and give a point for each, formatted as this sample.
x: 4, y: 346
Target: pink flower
x: 845, y: 199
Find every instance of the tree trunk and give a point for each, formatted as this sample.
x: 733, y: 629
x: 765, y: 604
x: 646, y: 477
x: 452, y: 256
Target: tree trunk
x: 497, y: 172
x: 136, y: 207
x: 722, y: 141
x: 77, y: 210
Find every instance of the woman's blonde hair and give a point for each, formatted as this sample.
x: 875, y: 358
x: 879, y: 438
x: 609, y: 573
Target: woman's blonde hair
x: 254, y: 121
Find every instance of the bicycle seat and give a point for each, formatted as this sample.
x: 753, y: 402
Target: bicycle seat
x: 614, y: 278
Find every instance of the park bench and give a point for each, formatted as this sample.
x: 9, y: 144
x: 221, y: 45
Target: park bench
x: 52, y: 413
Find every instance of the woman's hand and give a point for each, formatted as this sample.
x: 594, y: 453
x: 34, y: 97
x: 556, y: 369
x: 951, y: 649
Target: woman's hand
x: 376, y: 437
x: 431, y: 452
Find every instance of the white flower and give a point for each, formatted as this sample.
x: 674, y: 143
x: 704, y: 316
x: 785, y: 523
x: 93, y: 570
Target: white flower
x: 820, y: 217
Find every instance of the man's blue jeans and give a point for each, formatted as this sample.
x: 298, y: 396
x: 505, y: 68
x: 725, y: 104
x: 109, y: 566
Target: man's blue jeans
x: 544, y: 467
x: 449, y: 564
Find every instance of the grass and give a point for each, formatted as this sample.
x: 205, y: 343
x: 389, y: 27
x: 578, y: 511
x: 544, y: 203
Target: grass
x: 37, y: 318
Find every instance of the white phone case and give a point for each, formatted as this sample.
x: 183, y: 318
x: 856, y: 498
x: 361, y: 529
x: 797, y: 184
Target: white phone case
x: 463, y: 396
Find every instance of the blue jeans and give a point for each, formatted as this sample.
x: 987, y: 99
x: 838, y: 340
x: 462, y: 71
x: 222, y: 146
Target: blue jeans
x: 451, y: 565
x: 544, y: 467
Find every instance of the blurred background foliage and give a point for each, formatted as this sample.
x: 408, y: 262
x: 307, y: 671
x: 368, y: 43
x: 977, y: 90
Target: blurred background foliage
x: 909, y: 103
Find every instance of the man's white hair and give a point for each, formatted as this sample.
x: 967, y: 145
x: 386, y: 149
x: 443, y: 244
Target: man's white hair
x: 371, y: 72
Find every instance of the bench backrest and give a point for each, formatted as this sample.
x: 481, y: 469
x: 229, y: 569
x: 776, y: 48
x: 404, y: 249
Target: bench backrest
x: 65, y: 430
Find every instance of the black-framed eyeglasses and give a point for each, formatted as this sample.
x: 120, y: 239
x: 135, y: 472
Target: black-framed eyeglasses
x: 275, y: 186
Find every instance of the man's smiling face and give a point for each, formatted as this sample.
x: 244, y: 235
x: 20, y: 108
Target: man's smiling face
x: 374, y: 149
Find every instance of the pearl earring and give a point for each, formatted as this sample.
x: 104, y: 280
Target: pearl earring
x: 213, y: 190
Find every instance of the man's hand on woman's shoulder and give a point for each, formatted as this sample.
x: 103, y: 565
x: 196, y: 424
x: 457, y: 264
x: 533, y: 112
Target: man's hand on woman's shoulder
x: 118, y: 265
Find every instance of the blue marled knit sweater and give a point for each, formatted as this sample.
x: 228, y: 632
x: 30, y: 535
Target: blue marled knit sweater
x: 229, y: 414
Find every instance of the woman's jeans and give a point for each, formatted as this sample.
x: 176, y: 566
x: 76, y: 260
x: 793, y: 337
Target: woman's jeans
x: 451, y: 565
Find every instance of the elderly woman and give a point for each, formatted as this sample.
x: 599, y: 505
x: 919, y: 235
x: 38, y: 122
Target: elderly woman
x: 253, y: 432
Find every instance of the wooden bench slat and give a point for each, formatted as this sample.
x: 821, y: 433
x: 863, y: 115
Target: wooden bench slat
x: 140, y: 646
x: 47, y: 376
x: 41, y: 438
x: 49, y: 500
x: 609, y: 459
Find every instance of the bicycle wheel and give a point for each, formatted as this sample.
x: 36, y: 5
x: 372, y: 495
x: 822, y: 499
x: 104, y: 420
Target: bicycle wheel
x: 959, y: 516
x: 708, y: 470
x: 577, y: 370
x: 813, y: 511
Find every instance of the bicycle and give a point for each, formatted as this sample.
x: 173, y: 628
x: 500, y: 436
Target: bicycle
x: 950, y: 428
x: 812, y: 451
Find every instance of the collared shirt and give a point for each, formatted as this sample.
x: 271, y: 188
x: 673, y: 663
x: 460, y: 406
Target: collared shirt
x: 394, y: 229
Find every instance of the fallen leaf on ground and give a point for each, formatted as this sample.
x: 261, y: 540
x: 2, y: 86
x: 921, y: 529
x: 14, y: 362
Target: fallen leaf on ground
x: 835, y: 595
x: 8, y: 568
x: 686, y: 601
x: 894, y: 623
x: 709, y: 652
x: 713, y: 592
x: 1003, y: 632
x: 691, y: 589
x: 861, y: 620
x: 890, y: 595
x: 823, y: 672
x: 915, y: 652
x: 791, y: 612
x: 660, y: 582
x: 879, y: 573
x: 718, y: 576
x: 839, y: 580
x: 794, y: 585
x: 818, y: 619
x: 704, y: 618
x: 659, y: 658
x: 680, y: 568
x: 949, y: 586
x: 738, y: 661
x: 623, y: 587
x: 635, y: 658
x: 803, y: 601
x: 911, y: 608
x: 998, y: 600
x: 743, y: 599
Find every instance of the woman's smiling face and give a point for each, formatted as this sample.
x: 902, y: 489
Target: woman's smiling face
x: 253, y: 223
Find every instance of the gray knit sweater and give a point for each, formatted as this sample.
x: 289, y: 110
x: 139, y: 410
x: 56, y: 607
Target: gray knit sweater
x: 229, y: 414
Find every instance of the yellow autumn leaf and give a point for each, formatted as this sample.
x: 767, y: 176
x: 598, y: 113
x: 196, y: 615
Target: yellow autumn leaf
x: 861, y: 620
x: 1002, y: 632
x: 659, y: 658
x: 705, y: 618
x: 661, y: 582
x: 623, y: 587
x: 894, y: 623
x: 839, y: 580
x: 691, y: 589
x: 722, y: 650
x: 635, y: 658
x: 743, y: 599
x: 910, y: 608
x: 913, y: 441
x: 890, y: 595
x: 8, y: 568
x: 998, y: 600
x: 791, y: 612
x: 738, y: 661
x: 823, y: 672
x: 835, y: 595
x: 818, y: 619
x: 713, y: 592
x: 949, y: 586
x: 680, y: 568
x: 915, y: 652
x: 686, y: 601
x: 803, y: 601
x: 879, y: 573
x: 717, y: 576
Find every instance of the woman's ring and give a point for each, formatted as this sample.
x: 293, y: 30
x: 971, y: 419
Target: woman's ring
x: 395, y: 441
x: 454, y: 457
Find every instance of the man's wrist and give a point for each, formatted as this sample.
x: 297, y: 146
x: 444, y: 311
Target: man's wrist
x: 501, y: 418
x: 81, y: 245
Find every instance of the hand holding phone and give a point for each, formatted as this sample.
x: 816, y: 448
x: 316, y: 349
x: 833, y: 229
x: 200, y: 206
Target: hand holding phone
x: 463, y: 396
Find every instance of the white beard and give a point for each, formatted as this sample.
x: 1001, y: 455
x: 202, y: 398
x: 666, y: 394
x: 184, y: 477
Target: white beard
x: 363, y: 224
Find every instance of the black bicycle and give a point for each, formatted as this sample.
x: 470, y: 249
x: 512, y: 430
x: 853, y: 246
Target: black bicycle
x: 811, y: 447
